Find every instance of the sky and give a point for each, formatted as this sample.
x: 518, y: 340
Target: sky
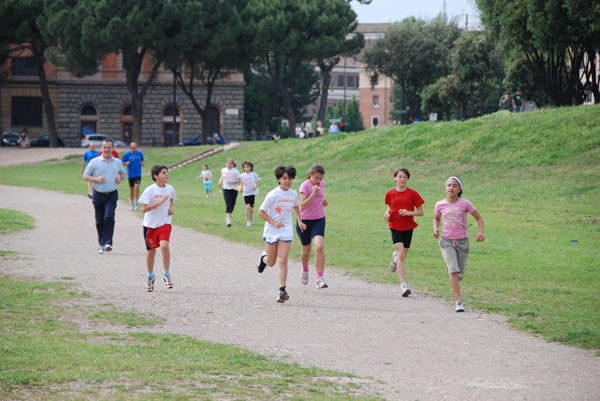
x: 395, y: 10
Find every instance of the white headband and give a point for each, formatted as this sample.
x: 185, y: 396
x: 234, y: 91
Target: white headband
x: 455, y: 178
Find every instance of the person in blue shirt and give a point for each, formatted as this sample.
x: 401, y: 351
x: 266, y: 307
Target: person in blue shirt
x: 87, y: 156
x: 134, y: 160
x: 333, y: 129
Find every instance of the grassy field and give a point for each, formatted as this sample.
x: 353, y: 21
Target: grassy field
x: 45, y: 355
x: 533, y: 177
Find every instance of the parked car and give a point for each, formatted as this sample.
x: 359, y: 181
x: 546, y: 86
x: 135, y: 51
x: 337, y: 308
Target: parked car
x: 196, y: 141
x: 10, y: 139
x: 44, y: 142
x: 97, y: 140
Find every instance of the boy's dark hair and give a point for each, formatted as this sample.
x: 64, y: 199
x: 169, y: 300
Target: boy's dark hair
x: 290, y: 170
x: 315, y: 168
x: 157, y: 169
x: 248, y: 163
x: 405, y: 171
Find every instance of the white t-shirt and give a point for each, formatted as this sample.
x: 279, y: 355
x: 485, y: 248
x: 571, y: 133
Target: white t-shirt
x: 279, y: 204
x: 230, y: 174
x: 249, y: 181
x: 159, y: 216
x: 206, y: 176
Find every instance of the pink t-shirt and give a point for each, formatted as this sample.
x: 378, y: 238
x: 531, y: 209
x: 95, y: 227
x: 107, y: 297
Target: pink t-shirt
x: 454, y: 217
x: 316, y: 210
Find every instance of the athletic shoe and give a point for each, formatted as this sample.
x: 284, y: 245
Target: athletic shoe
x: 228, y: 222
x: 405, y: 291
x: 150, y: 284
x: 460, y: 307
x: 131, y: 206
x: 321, y: 283
x: 167, y: 280
x: 261, y: 262
x: 101, y: 250
x: 248, y: 223
x: 393, y: 265
x: 90, y: 196
x: 107, y: 247
x: 136, y: 206
x: 282, y: 297
x: 304, y: 278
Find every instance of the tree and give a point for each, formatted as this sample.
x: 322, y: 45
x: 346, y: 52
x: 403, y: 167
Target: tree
x: 288, y: 32
x: 142, y: 30
x: 354, y: 119
x: 21, y: 36
x: 443, y: 96
x: 414, y: 53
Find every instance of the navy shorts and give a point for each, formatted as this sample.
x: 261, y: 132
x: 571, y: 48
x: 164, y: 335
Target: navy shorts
x: 402, y: 236
x: 313, y: 228
x: 249, y: 199
x: 134, y: 180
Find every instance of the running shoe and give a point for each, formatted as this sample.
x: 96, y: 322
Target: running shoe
x: 101, y: 250
x: 460, y: 307
x: 260, y: 266
x: 321, y: 283
x: 150, y: 284
x: 304, y: 278
x: 405, y: 290
x: 282, y: 297
x: 90, y: 196
x: 228, y: 222
x: 131, y: 207
x: 167, y: 280
x: 248, y: 223
x: 393, y: 265
x: 107, y: 247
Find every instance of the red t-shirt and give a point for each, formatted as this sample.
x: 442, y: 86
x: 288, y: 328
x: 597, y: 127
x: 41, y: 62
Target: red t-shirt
x: 114, y: 154
x: 408, y: 199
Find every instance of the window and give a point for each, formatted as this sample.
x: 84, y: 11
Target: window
x: 27, y: 111
x: 126, y: 61
x: 24, y: 67
x: 376, y: 101
x: 88, y: 111
x: 350, y: 82
x: 340, y: 81
x: 357, y: 78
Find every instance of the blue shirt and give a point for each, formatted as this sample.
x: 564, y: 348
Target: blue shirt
x: 89, y: 155
x: 333, y: 130
x: 135, y: 163
x: 110, y: 170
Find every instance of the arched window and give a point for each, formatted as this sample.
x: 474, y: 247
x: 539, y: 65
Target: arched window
x: 88, y: 120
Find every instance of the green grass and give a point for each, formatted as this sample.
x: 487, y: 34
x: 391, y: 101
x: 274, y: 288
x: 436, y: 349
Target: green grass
x: 45, y: 355
x: 533, y: 177
x: 12, y: 220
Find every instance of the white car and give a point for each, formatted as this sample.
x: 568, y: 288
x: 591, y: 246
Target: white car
x: 97, y: 140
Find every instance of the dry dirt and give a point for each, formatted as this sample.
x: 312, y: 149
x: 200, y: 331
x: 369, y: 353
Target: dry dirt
x: 414, y: 348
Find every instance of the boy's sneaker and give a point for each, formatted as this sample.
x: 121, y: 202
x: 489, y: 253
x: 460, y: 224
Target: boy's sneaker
x: 460, y: 307
x: 393, y: 265
x: 260, y: 266
x: 282, y: 297
x: 167, y: 280
x: 304, y: 278
x: 405, y: 290
x: 107, y: 247
x: 321, y: 283
x: 150, y: 284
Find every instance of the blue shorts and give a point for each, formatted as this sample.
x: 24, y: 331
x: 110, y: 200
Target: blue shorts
x: 208, y: 186
x: 402, y: 236
x: 313, y: 228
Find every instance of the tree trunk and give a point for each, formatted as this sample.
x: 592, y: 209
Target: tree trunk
x: 48, y: 106
x: 325, y: 83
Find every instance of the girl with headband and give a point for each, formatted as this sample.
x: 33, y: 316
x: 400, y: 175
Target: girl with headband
x: 454, y: 243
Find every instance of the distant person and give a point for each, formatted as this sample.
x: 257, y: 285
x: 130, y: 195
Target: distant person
x: 157, y: 205
x: 206, y: 176
x: 90, y: 154
x: 266, y: 136
x: 333, y: 129
x: 309, y: 130
x: 454, y: 243
x: 134, y: 160
x: 24, y: 139
x: 312, y: 211
x: 113, y: 153
x: 506, y: 102
x: 216, y: 138
x: 106, y: 173
x: 253, y: 135
x: 299, y: 132
x: 230, y: 178
x: 404, y: 204
x: 250, y: 183
x: 278, y: 233
x: 517, y: 101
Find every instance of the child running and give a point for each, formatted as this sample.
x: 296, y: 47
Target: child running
x: 157, y: 205
x: 250, y: 183
x: 400, y: 214
x: 312, y: 211
x: 230, y: 177
x: 278, y: 233
x: 454, y: 243
x: 206, y: 176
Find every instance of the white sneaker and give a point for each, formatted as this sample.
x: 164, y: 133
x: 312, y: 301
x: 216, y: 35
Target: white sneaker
x: 150, y: 284
x: 228, y: 222
x: 248, y: 223
x: 304, y: 278
x: 321, y: 283
x: 107, y: 247
x: 131, y: 206
x: 460, y: 307
x: 393, y: 265
x: 167, y: 280
x: 405, y: 290
x: 101, y: 250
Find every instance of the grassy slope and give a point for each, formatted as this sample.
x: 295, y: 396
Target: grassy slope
x: 533, y: 177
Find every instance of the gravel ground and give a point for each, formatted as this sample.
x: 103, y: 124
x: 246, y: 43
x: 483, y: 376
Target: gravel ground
x: 414, y: 348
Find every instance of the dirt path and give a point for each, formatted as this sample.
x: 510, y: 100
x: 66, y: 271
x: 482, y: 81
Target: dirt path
x: 413, y: 348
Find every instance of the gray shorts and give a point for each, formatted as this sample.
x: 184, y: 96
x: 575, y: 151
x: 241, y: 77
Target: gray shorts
x: 455, y: 253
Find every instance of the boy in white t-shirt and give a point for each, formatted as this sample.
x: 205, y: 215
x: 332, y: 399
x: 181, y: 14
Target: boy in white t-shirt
x: 278, y: 233
x: 157, y: 205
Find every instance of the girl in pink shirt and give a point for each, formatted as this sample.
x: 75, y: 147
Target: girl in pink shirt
x: 454, y: 243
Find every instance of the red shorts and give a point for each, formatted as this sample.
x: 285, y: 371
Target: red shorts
x: 153, y: 236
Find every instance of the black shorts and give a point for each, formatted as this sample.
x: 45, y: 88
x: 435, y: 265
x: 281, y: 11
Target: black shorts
x: 230, y: 196
x: 402, y: 236
x: 249, y: 199
x: 134, y: 180
x: 313, y: 228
